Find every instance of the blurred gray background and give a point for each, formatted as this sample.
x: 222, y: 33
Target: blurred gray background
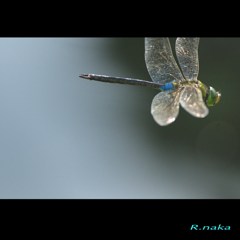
x: 66, y: 137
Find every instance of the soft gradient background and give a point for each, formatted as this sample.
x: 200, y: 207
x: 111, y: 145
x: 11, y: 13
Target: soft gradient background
x: 66, y: 137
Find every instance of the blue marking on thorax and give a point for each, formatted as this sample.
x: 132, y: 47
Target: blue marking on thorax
x: 167, y: 86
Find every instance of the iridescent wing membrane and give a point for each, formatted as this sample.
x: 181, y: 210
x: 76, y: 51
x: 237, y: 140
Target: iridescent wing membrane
x: 187, y: 54
x: 163, y: 68
x: 160, y: 62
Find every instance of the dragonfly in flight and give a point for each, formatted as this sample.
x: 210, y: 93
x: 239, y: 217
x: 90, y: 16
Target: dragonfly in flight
x: 177, y: 87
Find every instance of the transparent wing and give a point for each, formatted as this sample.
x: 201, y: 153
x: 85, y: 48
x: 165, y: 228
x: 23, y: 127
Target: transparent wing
x: 187, y: 54
x: 165, y: 107
x: 160, y: 62
x: 192, y: 101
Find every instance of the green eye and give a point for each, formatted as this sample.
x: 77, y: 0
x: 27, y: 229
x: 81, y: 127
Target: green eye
x: 213, y: 97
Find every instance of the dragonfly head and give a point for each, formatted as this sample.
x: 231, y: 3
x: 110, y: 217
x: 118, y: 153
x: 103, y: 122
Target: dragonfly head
x: 213, y: 97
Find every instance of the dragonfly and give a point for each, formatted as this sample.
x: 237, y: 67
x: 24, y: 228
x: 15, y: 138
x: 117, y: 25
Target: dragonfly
x: 176, y: 87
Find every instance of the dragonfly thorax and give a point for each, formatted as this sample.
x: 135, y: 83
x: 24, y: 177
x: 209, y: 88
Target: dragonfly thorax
x: 196, y: 84
x: 210, y: 96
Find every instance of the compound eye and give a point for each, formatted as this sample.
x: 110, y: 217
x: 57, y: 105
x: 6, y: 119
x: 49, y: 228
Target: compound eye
x: 213, y: 97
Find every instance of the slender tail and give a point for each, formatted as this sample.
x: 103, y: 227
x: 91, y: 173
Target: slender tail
x: 129, y: 81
